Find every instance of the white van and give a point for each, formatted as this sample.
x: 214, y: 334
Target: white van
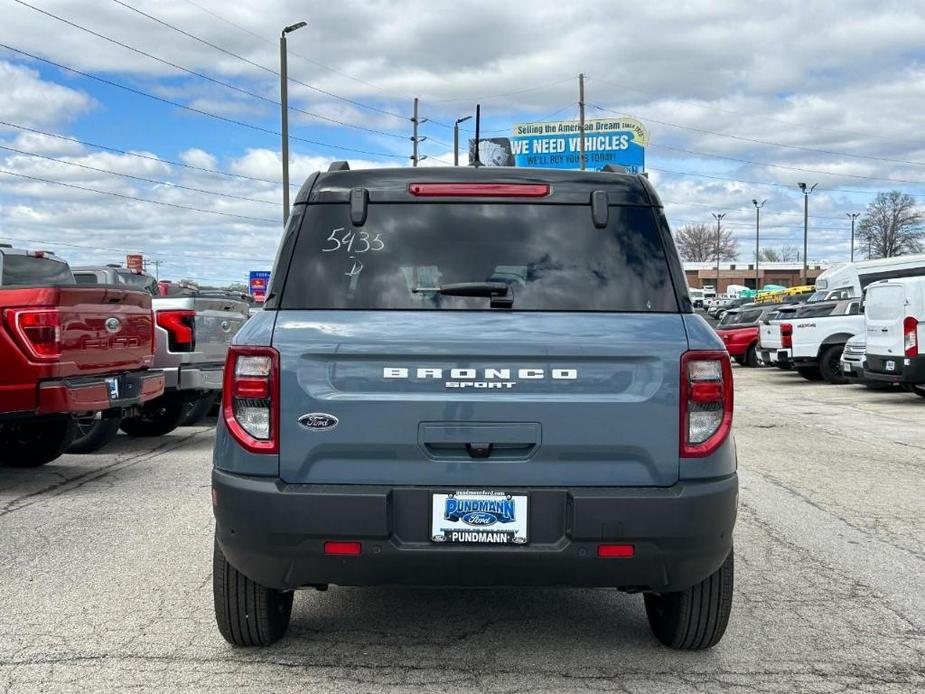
x: 895, y: 326
x: 848, y: 280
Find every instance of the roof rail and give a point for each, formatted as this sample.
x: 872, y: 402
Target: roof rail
x: 339, y: 166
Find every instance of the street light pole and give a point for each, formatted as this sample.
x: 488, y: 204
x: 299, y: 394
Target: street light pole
x: 853, y: 216
x: 456, y: 138
x: 284, y: 110
x: 757, y: 237
x: 718, y: 218
x: 806, y: 192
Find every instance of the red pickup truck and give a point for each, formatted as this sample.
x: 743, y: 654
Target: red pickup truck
x: 66, y: 351
x: 739, y: 332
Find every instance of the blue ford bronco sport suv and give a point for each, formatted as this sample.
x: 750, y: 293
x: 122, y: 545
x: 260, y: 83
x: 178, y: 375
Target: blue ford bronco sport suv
x: 471, y: 377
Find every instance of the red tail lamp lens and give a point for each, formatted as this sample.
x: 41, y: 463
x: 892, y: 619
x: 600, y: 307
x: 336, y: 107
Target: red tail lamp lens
x: 479, y: 190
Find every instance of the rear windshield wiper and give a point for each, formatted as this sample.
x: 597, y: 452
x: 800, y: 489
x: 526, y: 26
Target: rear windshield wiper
x: 500, y: 293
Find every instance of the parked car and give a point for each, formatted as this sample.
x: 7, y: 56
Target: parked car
x: 193, y: 329
x: 68, y: 352
x: 739, y: 331
x: 895, y: 328
x: 818, y: 333
x: 395, y: 416
x: 852, y: 358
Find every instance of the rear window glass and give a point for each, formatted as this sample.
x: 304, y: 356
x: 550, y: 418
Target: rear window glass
x: 885, y: 303
x: 29, y: 271
x: 549, y: 258
x: 148, y: 284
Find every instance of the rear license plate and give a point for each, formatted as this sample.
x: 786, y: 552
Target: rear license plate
x: 845, y: 366
x: 890, y: 365
x: 113, y: 384
x: 479, y: 517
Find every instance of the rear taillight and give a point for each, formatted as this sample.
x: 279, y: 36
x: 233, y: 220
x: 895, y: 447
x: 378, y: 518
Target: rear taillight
x: 181, y: 329
x: 38, y: 331
x: 910, y: 337
x: 250, y: 399
x: 706, y: 402
x: 786, y: 335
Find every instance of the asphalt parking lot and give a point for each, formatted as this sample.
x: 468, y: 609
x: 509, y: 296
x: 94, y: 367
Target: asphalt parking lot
x: 106, y: 579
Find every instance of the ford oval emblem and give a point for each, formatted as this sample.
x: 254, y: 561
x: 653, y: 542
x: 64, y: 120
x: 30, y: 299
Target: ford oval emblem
x: 113, y: 325
x: 479, y: 518
x: 225, y: 326
x: 318, y: 421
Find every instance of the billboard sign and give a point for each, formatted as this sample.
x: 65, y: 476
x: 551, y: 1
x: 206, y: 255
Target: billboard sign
x: 259, y: 281
x: 135, y: 262
x: 557, y: 145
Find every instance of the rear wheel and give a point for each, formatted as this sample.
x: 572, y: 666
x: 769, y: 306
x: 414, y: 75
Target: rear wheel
x: 810, y: 373
x: 751, y: 357
x: 93, y: 434
x: 247, y: 613
x: 35, y: 442
x: 196, y: 410
x: 919, y: 390
x: 156, y: 418
x: 830, y: 365
x: 695, y: 618
x: 739, y: 360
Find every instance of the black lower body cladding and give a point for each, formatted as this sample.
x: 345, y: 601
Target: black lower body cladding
x: 274, y: 534
x: 904, y: 369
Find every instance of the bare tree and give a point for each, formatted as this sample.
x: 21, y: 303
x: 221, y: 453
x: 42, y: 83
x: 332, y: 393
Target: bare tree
x: 697, y: 242
x: 769, y: 255
x: 892, y: 225
x: 789, y: 254
x: 237, y: 287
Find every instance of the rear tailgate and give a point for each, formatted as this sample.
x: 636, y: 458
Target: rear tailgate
x: 217, y: 322
x: 770, y: 335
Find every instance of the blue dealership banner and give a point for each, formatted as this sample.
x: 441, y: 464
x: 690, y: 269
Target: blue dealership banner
x: 259, y: 281
x: 557, y: 145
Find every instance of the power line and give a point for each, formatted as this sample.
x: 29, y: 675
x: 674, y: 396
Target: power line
x: 257, y: 65
x: 136, y: 178
x: 762, y: 142
x: 193, y: 109
x: 208, y: 78
x: 766, y: 116
x: 137, y: 199
x: 294, y: 53
x: 141, y: 156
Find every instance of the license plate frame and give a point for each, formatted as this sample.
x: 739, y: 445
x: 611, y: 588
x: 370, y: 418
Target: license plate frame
x: 479, y: 517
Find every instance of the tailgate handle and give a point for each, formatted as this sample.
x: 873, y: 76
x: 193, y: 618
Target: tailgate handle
x: 497, y: 441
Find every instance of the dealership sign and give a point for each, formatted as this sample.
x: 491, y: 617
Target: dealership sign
x: 557, y: 145
x: 259, y: 281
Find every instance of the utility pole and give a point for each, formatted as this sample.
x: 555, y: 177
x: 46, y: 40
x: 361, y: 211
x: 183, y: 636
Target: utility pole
x: 415, y: 140
x: 853, y: 216
x: 757, y: 238
x: 718, y: 218
x: 581, y: 119
x: 806, y: 191
x: 157, y: 266
x: 456, y: 138
x: 284, y: 110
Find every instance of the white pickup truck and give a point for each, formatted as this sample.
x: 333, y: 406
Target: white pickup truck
x: 817, y: 334
x: 771, y: 348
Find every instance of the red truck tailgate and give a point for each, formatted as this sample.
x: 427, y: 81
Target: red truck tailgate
x: 99, y: 329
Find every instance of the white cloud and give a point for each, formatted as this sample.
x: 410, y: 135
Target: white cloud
x: 27, y: 99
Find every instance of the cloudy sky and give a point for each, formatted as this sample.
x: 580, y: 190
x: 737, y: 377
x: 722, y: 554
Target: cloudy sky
x: 135, y: 153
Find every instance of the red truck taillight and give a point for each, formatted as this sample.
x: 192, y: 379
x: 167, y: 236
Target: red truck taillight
x: 706, y: 402
x: 250, y: 399
x: 38, y: 331
x: 180, y: 325
x: 786, y: 335
x: 910, y: 337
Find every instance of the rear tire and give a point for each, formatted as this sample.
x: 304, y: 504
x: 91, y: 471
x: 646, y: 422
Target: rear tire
x: 93, y: 434
x: 31, y: 443
x: 696, y: 618
x: 830, y: 365
x: 751, y: 357
x: 195, y: 411
x: 247, y: 613
x: 156, y: 418
x: 810, y: 373
x: 919, y: 390
x: 739, y: 360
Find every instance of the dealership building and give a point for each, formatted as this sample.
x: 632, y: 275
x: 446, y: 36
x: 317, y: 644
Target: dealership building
x: 785, y: 274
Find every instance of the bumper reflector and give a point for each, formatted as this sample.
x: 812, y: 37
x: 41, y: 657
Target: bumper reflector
x: 616, y: 551
x: 349, y: 549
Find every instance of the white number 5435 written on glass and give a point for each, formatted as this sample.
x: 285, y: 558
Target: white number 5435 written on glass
x: 352, y: 242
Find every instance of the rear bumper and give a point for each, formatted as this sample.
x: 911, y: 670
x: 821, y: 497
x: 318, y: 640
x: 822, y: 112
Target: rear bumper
x: 98, y: 393
x: 852, y: 370
x: 195, y: 376
x: 274, y: 533
x: 905, y: 369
